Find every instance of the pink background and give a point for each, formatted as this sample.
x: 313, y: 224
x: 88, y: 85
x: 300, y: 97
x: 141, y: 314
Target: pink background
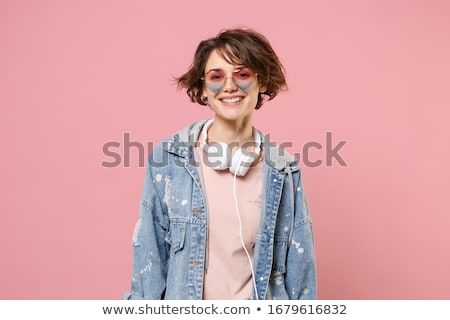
x: 75, y: 75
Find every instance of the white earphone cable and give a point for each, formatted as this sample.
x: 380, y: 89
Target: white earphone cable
x: 240, y: 233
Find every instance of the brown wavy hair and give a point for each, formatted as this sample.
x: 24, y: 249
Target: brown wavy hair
x: 237, y: 47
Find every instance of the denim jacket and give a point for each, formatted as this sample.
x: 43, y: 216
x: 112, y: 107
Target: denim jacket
x: 171, y: 235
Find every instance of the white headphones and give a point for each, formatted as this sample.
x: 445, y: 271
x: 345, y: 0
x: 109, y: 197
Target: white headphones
x: 219, y: 155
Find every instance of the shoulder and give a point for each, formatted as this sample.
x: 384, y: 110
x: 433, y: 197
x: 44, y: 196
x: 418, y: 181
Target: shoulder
x: 180, y: 143
x: 277, y: 157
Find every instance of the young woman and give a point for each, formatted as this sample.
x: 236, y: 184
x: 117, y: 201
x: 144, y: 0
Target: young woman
x: 223, y: 213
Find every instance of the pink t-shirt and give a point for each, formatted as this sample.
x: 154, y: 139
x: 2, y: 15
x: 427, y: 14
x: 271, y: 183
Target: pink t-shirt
x: 228, y: 275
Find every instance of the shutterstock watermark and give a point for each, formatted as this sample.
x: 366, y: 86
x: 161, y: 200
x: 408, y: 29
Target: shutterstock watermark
x: 128, y: 153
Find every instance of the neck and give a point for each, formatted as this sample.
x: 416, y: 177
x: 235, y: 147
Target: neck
x: 231, y: 131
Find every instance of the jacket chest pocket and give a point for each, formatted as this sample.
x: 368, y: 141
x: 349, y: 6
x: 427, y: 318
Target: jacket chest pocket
x: 175, y: 236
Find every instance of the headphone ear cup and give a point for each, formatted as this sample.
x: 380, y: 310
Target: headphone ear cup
x: 241, y: 162
x: 219, y: 155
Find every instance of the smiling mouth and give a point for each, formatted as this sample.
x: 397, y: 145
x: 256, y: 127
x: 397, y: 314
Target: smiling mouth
x: 232, y: 100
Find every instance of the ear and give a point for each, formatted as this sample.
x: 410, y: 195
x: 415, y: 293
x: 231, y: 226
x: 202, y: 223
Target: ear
x: 203, y: 95
x: 203, y: 92
x: 262, y: 89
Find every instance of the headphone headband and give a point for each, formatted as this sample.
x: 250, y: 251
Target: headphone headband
x: 239, y: 163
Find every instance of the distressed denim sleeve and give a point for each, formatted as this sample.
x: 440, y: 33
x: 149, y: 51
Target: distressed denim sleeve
x: 149, y: 246
x: 301, y: 262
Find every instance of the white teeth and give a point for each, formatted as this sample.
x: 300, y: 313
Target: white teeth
x: 231, y: 100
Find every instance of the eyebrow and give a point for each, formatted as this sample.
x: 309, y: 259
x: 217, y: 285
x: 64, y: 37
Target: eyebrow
x: 218, y: 69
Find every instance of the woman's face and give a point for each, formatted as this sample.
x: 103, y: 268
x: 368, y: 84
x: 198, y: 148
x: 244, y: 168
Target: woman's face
x: 232, y: 90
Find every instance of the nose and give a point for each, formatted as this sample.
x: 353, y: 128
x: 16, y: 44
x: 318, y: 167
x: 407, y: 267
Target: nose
x: 229, y: 85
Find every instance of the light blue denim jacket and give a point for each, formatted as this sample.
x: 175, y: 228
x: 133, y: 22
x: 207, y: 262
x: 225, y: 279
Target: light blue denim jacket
x: 171, y: 235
